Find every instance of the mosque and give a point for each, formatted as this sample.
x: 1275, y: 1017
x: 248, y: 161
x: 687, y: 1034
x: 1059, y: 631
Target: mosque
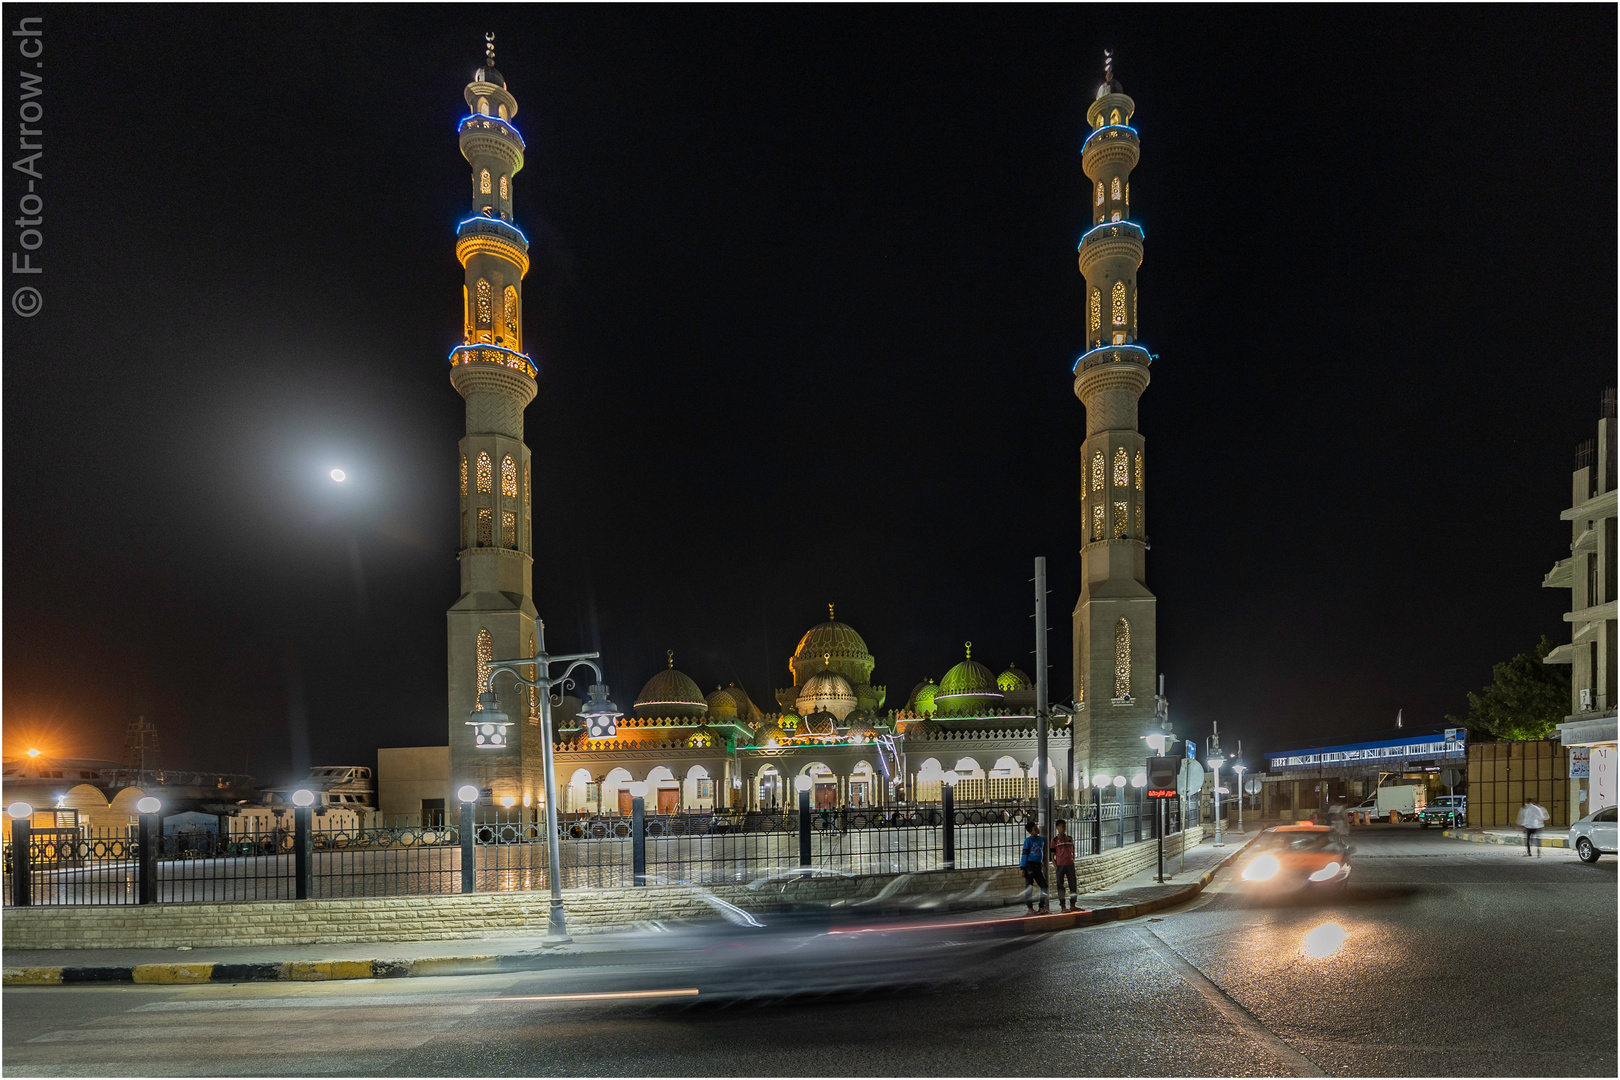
x: 720, y: 750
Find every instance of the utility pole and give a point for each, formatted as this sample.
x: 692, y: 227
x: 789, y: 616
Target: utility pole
x: 1041, y: 765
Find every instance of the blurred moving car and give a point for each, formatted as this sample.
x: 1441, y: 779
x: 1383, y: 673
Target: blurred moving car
x: 1594, y: 834
x: 1292, y: 857
x: 1448, y: 810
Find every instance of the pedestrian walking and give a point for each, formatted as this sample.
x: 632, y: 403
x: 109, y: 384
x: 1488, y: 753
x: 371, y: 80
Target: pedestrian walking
x: 1033, y: 864
x: 1533, y: 818
x: 1063, y: 865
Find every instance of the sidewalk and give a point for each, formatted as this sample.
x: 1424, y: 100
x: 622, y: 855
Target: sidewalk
x: 1551, y: 838
x: 1128, y: 899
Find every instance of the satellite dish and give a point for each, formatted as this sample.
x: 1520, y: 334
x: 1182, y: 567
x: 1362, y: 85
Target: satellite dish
x: 1192, y: 778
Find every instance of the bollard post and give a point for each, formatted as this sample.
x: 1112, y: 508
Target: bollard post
x: 303, y: 848
x: 149, y: 836
x: 1096, y: 823
x: 469, y: 854
x: 948, y: 799
x: 638, y: 835
x: 22, y: 855
x: 803, y: 784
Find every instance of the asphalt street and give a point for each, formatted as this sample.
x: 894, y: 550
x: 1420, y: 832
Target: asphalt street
x: 1456, y: 959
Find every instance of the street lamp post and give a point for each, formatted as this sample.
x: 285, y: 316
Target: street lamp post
x: 947, y: 798
x: 599, y: 714
x: 1216, y: 763
x: 802, y: 784
x: 1098, y: 782
x: 1240, y: 770
x: 638, y: 847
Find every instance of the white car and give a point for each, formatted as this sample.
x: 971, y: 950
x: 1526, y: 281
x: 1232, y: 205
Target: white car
x: 1594, y: 834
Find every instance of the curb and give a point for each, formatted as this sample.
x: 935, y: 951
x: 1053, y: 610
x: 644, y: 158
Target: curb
x: 334, y: 970
x: 1507, y: 841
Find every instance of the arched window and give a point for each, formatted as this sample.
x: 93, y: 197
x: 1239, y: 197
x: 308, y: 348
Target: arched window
x: 484, y: 293
x: 1127, y: 194
x: 1122, y: 520
x: 483, y: 110
x: 1096, y: 310
x: 485, y: 527
x: 463, y: 476
x: 509, y: 529
x: 1136, y: 308
x: 501, y: 111
x: 509, y: 476
x: 486, y: 654
x: 1113, y: 117
x: 1139, y: 532
x: 483, y: 182
x: 511, y: 314
x: 1114, y: 216
x: 484, y: 470
x: 1122, y: 660
x: 504, y: 194
x: 1122, y: 468
x: 1119, y: 303
x: 525, y: 481
x: 1097, y: 471
x: 466, y: 316
x: 1139, y: 470
x: 1099, y: 192
x: 1097, y: 522
x: 1115, y: 192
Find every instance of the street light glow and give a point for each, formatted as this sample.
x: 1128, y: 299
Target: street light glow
x: 339, y: 475
x: 148, y: 805
x: 20, y: 810
x: 303, y: 797
x: 33, y: 753
x: 467, y: 793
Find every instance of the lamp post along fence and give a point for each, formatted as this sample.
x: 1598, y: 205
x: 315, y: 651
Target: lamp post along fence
x: 22, y: 868
x: 802, y: 783
x: 600, y: 716
x: 149, y: 838
x: 468, y: 831
x: 638, y: 833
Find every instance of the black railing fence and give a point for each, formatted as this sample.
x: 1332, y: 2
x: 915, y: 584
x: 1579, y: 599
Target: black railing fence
x: 507, y: 851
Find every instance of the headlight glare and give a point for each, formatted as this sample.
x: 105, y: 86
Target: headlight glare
x: 1263, y: 868
x: 1327, y: 873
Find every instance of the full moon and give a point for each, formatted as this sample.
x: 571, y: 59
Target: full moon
x: 339, y: 475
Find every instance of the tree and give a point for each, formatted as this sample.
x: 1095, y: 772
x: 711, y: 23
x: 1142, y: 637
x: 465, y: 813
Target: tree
x: 1525, y: 700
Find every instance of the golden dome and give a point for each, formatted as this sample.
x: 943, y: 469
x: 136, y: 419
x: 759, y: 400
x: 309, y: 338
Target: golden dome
x: 722, y: 705
x: 670, y: 693
x: 827, y: 691
x: 835, y: 645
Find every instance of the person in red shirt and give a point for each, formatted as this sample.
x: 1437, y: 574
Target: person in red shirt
x: 1063, y: 865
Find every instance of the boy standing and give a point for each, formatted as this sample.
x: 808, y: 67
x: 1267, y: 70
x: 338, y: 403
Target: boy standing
x: 1033, y: 863
x: 1063, y: 865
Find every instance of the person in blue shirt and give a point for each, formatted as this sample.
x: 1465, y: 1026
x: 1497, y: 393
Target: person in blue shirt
x: 1033, y: 863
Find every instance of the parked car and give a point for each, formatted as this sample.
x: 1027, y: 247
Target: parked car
x: 1448, y: 810
x: 1401, y: 799
x: 1594, y: 834
x: 1290, y: 857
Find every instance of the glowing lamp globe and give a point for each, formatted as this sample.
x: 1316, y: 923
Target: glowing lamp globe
x: 20, y: 810
x: 339, y: 475
x: 637, y: 789
x: 148, y: 805
x: 949, y: 779
x: 1100, y: 780
x: 801, y: 783
x: 508, y: 801
x: 303, y: 797
x: 1139, y: 780
x: 467, y: 793
x: 1119, y: 781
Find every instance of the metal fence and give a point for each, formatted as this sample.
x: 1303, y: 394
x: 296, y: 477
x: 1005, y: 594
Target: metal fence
x: 506, y: 853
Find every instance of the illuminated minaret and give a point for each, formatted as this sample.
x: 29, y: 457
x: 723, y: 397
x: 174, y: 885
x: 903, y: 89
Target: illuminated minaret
x: 495, y: 616
x: 1114, y: 658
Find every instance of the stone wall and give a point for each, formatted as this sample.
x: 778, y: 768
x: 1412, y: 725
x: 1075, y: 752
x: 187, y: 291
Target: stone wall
x: 498, y: 915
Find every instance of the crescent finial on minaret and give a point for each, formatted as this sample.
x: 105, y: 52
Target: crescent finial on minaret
x: 489, y: 48
x: 1108, y: 64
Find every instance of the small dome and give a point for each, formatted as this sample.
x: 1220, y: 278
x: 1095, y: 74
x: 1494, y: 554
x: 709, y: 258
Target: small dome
x: 923, y: 729
x: 488, y: 73
x: 968, y: 687
x: 1112, y: 86
x: 722, y: 705
x: 922, y: 699
x: 1013, y: 679
x: 670, y: 693
x: 827, y: 691
x: 746, y: 709
x: 861, y: 730
x: 769, y: 733
x: 822, y: 725
x: 704, y: 736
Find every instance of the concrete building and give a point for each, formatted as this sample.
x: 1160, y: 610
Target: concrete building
x: 1589, y: 574
x: 1114, y: 620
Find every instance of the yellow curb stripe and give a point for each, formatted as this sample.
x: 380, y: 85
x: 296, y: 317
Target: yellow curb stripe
x: 327, y: 970
x: 173, y: 973
x: 31, y: 976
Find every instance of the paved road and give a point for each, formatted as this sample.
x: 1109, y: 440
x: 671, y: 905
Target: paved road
x: 1458, y: 959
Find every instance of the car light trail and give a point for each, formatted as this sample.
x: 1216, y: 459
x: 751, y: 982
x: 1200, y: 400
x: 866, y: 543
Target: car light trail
x: 610, y: 996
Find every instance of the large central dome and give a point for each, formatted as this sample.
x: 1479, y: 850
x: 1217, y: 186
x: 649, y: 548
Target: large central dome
x: 670, y: 694
x: 842, y: 648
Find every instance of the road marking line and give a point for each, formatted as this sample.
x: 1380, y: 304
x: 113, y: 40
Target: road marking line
x: 1239, y: 1017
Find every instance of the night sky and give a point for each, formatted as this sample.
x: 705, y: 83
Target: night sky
x: 812, y: 309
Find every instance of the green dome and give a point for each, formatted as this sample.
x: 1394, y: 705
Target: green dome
x: 922, y: 698
x: 969, y: 687
x: 1013, y: 679
x: 722, y: 706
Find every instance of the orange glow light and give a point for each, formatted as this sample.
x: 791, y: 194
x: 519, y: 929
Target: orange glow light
x: 33, y: 753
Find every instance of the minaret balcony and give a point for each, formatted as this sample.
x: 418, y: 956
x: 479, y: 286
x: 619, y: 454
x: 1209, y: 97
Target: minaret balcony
x: 1110, y: 149
x: 1112, y: 240
x: 492, y: 236
x: 491, y: 354
x: 478, y: 122
x: 1113, y: 354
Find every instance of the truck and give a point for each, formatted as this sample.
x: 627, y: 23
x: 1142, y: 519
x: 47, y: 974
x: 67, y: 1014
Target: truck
x: 1401, y: 799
